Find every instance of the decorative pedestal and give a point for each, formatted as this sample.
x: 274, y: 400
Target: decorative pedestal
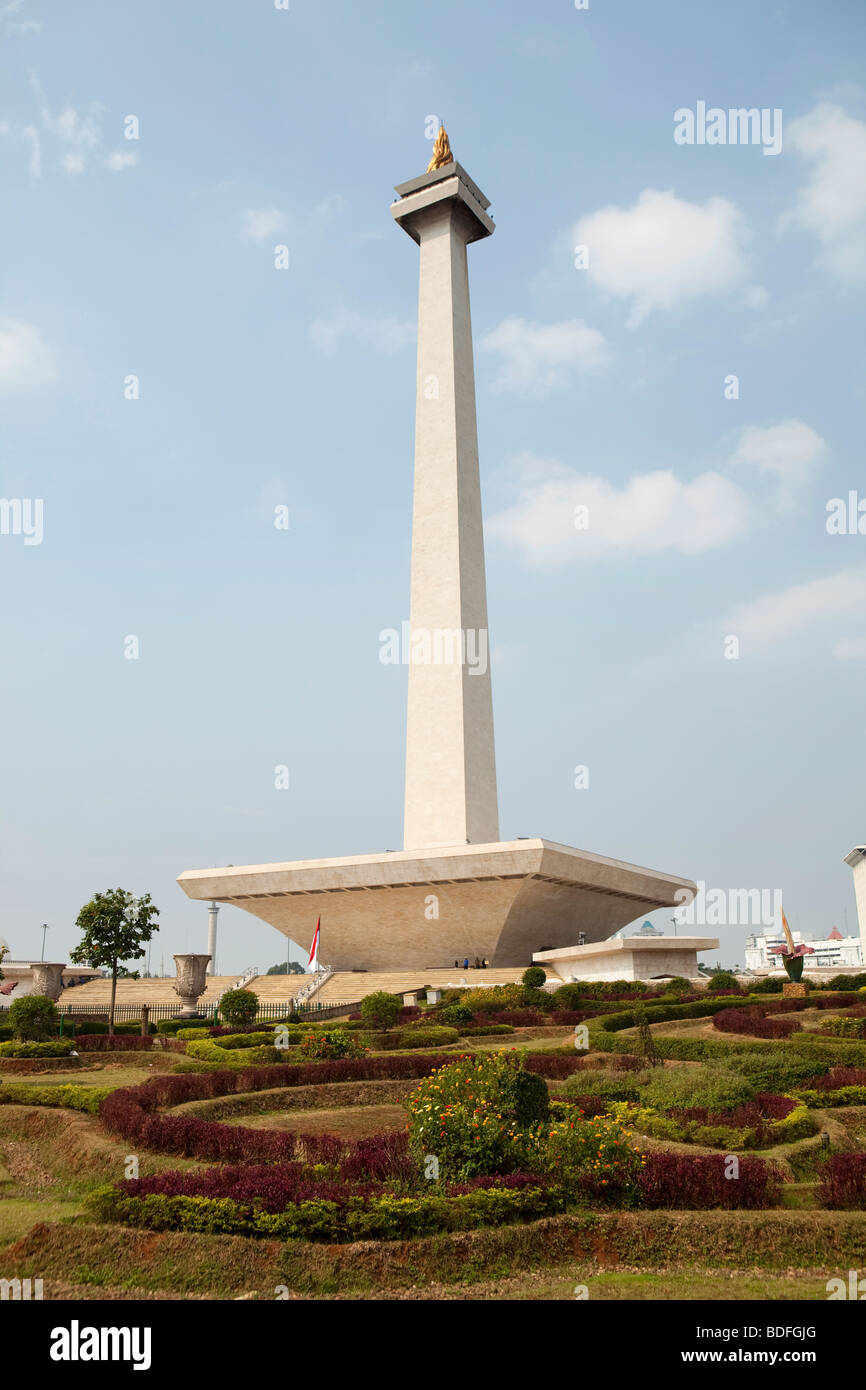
x: 48, y: 978
x: 794, y: 989
x: 191, y: 982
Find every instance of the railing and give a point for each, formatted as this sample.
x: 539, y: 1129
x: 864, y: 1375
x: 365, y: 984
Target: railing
x: 268, y: 1010
x: 315, y: 984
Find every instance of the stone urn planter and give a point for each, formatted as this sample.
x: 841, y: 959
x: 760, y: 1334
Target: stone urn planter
x: 191, y: 982
x: 48, y: 978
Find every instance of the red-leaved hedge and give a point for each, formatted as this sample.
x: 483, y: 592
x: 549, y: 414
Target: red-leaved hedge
x: 695, y: 1182
x: 843, y: 1184
x: 121, y: 1042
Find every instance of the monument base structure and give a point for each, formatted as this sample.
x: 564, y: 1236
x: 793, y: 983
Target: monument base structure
x: 502, y: 902
x: 628, y: 958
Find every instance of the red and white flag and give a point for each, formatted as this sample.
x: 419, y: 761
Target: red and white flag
x: 314, y: 949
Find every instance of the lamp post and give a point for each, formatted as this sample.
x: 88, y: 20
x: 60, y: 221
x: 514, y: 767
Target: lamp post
x: 45, y: 928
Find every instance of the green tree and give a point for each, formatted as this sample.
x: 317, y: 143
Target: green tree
x: 33, y: 1018
x: 381, y: 1010
x: 239, y: 1007
x: 285, y: 968
x: 115, y: 927
x: 534, y: 977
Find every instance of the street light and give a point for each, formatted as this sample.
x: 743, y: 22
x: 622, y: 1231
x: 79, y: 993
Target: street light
x: 45, y: 928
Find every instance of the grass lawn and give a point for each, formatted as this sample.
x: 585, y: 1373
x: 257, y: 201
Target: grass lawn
x: 351, y: 1122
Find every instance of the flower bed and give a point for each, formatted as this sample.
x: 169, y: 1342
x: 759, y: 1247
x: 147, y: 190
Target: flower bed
x: 101, y: 1042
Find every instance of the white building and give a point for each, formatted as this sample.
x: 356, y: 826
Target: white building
x: 857, y: 860
x: 834, y: 952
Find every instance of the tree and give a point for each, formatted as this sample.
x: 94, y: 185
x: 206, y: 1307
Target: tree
x: 381, y: 1009
x: 534, y: 977
x: 33, y: 1018
x: 286, y: 968
x: 115, y: 928
x: 239, y: 1007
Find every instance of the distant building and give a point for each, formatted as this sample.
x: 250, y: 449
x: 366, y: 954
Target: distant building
x: 645, y: 929
x: 857, y: 861
x: 833, y: 952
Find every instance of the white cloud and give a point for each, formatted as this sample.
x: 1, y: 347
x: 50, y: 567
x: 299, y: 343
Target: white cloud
x: 10, y: 22
x: 775, y: 617
x: 663, y: 251
x: 258, y: 226
x: 377, y: 331
x: 538, y: 357
x: 24, y: 359
x: 832, y: 205
x: 118, y: 161
x: 652, y: 513
x: 78, y: 135
x: 788, y: 450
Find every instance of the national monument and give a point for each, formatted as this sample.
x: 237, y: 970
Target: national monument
x: 455, y: 888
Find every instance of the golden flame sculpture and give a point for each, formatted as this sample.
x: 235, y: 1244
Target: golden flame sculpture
x: 441, y: 151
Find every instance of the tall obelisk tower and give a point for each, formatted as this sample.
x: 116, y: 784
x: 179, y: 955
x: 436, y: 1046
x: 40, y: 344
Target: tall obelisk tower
x: 450, y: 761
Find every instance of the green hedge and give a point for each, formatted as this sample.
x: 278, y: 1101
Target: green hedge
x: 377, y: 1218
x: 85, y: 1098
x: 401, y: 1040
x: 209, y: 1051
x: 56, y: 1047
x: 846, y: 1095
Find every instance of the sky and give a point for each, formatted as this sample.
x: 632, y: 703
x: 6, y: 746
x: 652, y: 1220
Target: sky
x: 207, y: 326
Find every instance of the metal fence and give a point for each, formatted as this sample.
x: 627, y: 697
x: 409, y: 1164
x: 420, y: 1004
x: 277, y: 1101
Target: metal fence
x: 127, y: 1013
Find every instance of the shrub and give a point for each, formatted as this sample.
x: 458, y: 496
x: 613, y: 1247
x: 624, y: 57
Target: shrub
x: 843, y: 1184
x: 769, y: 985
x: 473, y: 1115
x: 753, y: 1021
x: 329, y: 1046
x: 698, y: 1182
x: 714, y: 1087
x: 583, y: 1085
x: 645, y: 1046
x: 678, y: 984
x: 91, y: 1042
x: 233, y: 1041
x: 845, y: 1027
x: 239, y: 1006
x: 723, y: 979
x: 87, y: 1098
x: 381, y: 1010
x: 343, y: 1218
x: 848, y: 982
x: 534, y: 977
x: 485, y: 1030
x: 208, y: 1050
x: 494, y: 999
x: 57, y: 1047
x: 456, y: 1014
x: 539, y: 999
x: 554, y: 1065
x: 33, y: 1018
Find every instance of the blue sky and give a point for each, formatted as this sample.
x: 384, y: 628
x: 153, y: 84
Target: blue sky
x: 601, y: 386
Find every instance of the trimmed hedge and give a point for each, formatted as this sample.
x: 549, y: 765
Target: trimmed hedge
x: 98, y: 1042
x: 87, y: 1098
x: 57, y: 1047
x: 380, y: 1218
